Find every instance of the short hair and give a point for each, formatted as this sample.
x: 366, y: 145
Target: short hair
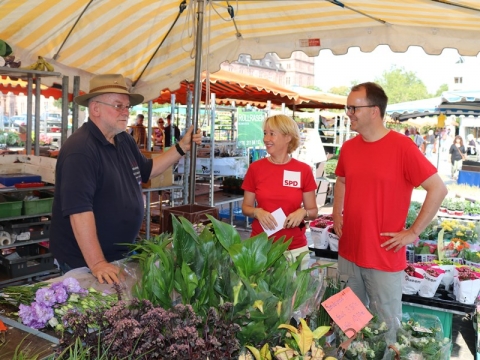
x: 286, y: 126
x: 140, y: 116
x: 169, y: 117
x: 375, y: 95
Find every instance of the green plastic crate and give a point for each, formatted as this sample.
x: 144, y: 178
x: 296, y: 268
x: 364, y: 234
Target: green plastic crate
x: 10, y: 208
x: 43, y: 205
x: 446, y: 318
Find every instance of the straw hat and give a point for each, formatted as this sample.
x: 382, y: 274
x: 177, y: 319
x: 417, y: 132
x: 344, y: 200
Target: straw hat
x: 108, y: 83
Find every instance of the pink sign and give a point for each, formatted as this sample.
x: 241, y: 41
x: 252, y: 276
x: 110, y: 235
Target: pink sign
x: 347, y: 311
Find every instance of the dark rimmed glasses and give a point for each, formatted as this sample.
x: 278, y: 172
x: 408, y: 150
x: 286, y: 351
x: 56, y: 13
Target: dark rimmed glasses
x: 352, y: 109
x: 118, y: 107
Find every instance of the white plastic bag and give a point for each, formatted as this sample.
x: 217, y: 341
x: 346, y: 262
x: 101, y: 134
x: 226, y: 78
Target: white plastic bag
x: 331, y: 238
x: 410, y: 284
x: 319, y: 241
x: 467, y: 290
x: 429, y: 285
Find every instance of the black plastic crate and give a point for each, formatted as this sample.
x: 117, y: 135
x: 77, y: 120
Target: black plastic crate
x: 33, y: 259
x: 192, y: 212
x: 30, y: 230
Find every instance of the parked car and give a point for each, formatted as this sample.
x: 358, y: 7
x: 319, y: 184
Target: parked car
x: 21, y: 120
x: 6, y: 120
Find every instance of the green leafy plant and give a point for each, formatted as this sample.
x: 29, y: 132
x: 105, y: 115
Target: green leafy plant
x: 216, y: 266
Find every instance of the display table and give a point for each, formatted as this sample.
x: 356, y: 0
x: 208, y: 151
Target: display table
x: 443, y: 304
x: 226, y: 166
x: 471, y: 178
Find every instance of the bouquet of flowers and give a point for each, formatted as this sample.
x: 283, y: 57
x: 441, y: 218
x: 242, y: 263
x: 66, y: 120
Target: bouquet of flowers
x: 53, y: 302
x: 421, y: 340
x: 455, y: 247
x: 466, y: 285
x: 370, y: 342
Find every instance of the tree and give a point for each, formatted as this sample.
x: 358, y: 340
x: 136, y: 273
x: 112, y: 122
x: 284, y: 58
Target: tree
x: 340, y: 90
x: 401, y: 85
x: 441, y: 89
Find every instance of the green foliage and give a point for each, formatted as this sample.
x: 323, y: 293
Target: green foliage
x: 330, y: 166
x: 216, y: 267
x: 10, y: 138
x: 340, y: 90
x: 441, y: 89
x: 401, y: 85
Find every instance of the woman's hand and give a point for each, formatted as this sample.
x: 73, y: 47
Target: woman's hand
x: 294, y: 219
x: 265, y: 219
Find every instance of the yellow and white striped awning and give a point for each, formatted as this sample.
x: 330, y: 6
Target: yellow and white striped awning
x: 151, y: 42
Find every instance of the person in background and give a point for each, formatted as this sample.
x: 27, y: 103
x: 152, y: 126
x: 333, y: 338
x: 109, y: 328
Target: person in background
x: 139, y: 132
x: 457, y: 155
x: 376, y: 174
x: 158, y: 134
x: 168, y: 132
x: 417, y: 139
x: 429, y: 145
x: 279, y: 181
x: 98, y: 203
x: 472, y: 152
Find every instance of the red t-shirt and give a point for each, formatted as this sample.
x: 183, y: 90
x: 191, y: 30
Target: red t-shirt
x: 280, y: 186
x: 379, y: 179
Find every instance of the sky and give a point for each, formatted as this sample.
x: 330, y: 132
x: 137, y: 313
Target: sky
x: 340, y: 70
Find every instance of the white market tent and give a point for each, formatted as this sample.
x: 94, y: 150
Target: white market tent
x: 153, y: 42
x: 466, y: 103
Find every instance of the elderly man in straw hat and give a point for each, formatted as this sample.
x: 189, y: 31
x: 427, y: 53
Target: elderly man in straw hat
x: 98, y: 198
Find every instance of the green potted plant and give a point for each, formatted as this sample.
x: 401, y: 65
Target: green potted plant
x: 460, y: 207
x: 444, y: 205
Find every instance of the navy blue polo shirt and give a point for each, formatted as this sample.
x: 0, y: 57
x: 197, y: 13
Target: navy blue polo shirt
x: 94, y: 175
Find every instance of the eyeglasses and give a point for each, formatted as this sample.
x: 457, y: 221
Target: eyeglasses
x: 118, y: 107
x: 352, y: 109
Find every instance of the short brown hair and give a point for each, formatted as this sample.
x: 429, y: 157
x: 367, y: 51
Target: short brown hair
x: 286, y: 126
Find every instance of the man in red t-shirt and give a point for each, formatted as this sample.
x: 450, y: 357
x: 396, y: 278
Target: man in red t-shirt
x: 376, y: 174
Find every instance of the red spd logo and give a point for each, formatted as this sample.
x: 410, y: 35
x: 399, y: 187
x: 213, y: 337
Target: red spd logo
x: 291, y: 179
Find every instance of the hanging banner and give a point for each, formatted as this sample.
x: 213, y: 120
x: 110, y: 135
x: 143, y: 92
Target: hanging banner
x: 250, y: 132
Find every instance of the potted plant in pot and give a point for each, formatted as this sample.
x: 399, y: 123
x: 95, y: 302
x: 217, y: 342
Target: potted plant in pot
x: 444, y: 205
x: 452, y: 207
x: 460, y: 207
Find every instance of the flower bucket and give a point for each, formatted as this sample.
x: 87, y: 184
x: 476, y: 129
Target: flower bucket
x: 447, y: 279
x: 467, y: 290
x: 332, y: 239
x: 429, y: 285
x: 410, y: 255
x: 319, y: 241
x: 410, y: 284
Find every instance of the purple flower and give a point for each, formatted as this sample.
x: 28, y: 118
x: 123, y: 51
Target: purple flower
x: 61, y: 295
x: 57, y: 285
x: 45, y: 296
x: 36, y: 316
x: 72, y: 285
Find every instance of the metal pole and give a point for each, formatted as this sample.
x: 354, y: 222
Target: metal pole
x: 64, y: 110
x: 197, y: 92
x: 28, y: 135
x: 212, y: 150
x: 38, y: 120
x: 75, y: 108
x: 186, y: 171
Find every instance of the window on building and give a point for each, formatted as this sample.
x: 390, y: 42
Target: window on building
x: 287, y: 80
x: 288, y: 65
x: 458, y: 80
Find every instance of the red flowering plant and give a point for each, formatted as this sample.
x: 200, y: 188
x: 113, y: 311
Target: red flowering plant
x: 467, y: 273
x: 434, y: 271
x: 423, y: 247
x: 322, y: 221
x: 411, y: 270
